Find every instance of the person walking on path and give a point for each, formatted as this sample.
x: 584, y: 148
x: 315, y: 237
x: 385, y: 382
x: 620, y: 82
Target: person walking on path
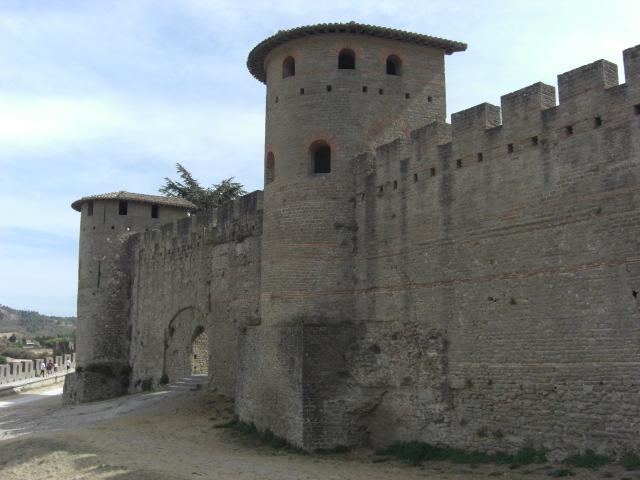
x: 68, y: 364
x: 42, y: 368
x: 55, y: 367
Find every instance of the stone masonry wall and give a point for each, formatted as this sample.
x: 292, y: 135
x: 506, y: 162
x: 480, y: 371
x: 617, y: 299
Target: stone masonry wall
x: 498, y: 275
x: 198, y: 274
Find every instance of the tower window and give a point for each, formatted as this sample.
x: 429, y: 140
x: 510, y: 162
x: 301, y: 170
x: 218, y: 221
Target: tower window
x: 89, y: 209
x: 394, y: 65
x: 346, y: 59
x: 269, y: 171
x: 154, y: 211
x: 288, y: 67
x: 321, y: 154
x: 123, y: 207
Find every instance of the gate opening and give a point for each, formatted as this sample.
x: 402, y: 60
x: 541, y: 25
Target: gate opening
x: 200, y: 353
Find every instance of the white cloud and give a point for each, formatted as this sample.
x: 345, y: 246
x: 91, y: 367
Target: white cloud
x: 34, y: 123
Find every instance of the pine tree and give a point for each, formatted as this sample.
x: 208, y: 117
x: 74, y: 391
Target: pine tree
x: 203, y: 197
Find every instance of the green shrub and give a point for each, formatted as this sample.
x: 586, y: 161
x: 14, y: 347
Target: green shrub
x: 3, y: 360
x: 164, y: 379
x: 588, y: 459
x: 418, y: 452
x: 630, y: 461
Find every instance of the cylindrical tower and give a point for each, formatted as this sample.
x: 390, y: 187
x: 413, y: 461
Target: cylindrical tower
x: 333, y: 91
x: 104, y: 287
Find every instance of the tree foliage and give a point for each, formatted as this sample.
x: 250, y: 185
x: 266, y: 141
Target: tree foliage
x: 203, y: 197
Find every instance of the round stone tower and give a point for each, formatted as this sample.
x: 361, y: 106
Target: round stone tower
x: 107, y: 224
x: 334, y: 91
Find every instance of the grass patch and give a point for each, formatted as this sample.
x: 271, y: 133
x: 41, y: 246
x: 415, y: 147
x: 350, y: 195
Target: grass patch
x: 561, y: 472
x: 418, y: 452
x: 266, y: 437
x: 588, y: 459
x: 337, y: 450
x: 630, y: 461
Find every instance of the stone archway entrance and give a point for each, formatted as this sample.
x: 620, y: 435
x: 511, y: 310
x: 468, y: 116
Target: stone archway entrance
x: 186, y: 346
x: 200, y: 352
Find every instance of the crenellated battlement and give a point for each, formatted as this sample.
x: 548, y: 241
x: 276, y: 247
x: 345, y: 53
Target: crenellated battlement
x: 528, y: 119
x: 232, y: 222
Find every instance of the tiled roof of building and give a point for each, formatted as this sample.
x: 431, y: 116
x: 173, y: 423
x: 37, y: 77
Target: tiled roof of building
x: 136, y: 197
x: 255, y: 62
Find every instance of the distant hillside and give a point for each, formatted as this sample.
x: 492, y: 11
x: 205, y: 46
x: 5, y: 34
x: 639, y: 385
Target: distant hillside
x: 34, y: 324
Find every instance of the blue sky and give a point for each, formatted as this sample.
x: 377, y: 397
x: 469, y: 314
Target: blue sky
x: 104, y: 95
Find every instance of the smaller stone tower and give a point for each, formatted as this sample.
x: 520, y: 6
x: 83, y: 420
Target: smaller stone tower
x: 108, y: 222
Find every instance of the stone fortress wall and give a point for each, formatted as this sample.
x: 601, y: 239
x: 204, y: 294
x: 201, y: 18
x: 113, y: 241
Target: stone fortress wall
x: 200, y: 273
x: 472, y: 284
x: 17, y: 370
x: 498, y: 273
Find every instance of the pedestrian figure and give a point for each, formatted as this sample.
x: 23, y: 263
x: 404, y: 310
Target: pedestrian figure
x: 42, y: 368
x: 49, y: 367
x: 55, y: 367
x: 68, y: 364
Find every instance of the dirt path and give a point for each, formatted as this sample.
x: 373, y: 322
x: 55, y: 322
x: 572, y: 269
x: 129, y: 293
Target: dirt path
x: 173, y: 435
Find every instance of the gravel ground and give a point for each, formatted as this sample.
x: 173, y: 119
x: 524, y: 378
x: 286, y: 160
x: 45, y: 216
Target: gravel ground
x: 172, y: 435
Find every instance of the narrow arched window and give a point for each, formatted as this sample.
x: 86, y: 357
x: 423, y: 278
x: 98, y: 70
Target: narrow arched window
x: 394, y: 65
x: 346, y: 59
x: 269, y: 171
x: 321, y: 156
x: 288, y: 67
